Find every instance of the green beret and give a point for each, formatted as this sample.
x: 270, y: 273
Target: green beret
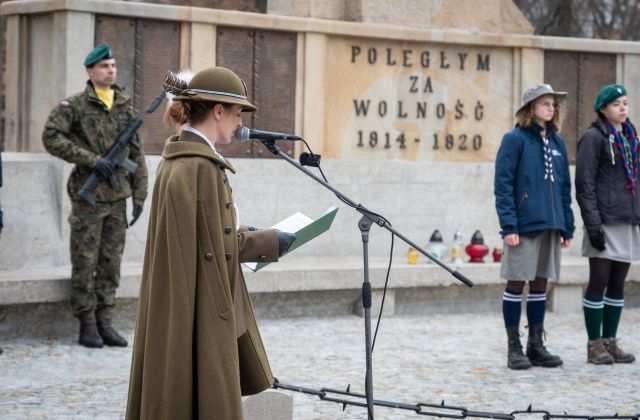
x: 607, y: 94
x: 100, y: 52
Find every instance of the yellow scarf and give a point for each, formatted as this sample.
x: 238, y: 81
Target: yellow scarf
x: 106, y: 96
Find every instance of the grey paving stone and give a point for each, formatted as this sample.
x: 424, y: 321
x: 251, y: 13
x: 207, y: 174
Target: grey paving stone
x: 429, y: 358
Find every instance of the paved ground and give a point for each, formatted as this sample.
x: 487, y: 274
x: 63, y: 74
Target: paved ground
x: 458, y: 358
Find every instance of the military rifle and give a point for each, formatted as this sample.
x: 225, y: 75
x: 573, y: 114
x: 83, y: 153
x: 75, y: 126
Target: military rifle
x: 116, y: 155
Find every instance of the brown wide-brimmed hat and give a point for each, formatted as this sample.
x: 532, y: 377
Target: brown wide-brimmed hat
x: 537, y: 91
x: 217, y: 84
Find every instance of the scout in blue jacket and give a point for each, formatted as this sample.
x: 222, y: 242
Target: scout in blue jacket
x: 533, y: 201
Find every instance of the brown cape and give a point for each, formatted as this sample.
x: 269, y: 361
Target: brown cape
x: 197, y: 348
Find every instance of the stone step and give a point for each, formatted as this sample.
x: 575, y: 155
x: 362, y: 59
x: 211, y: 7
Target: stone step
x: 34, y: 303
x: 51, y: 284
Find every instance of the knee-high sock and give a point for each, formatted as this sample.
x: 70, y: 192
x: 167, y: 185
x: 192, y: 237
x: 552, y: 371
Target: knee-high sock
x: 611, y: 315
x: 536, y: 306
x: 593, y: 317
x: 511, y: 308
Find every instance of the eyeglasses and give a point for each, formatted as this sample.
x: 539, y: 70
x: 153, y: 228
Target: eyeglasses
x: 549, y: 104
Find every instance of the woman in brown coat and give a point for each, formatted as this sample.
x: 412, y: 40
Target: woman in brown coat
x: 197, y: 348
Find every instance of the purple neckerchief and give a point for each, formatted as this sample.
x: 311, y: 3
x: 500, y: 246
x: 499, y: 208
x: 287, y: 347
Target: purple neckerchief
x: 632, y: 177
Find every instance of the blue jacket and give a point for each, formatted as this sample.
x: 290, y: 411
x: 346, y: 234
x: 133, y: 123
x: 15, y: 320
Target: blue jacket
x: 525, y: 201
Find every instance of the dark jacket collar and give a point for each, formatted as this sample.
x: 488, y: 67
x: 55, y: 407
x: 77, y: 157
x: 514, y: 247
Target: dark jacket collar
x: 603, y: 128
x: 534, y: 130
x: 537, y: 129
x: 120, y: 96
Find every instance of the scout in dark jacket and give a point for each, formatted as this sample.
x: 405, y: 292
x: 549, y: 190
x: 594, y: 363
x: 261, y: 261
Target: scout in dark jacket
x: 197, y: 348
x: 608, y: 194
x: 533, y: 201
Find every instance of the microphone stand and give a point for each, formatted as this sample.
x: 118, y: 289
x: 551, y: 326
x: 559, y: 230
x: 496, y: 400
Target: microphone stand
x: 368, y: 219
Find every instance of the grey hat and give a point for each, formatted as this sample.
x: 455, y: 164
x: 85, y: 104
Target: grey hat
x: 537, y: 91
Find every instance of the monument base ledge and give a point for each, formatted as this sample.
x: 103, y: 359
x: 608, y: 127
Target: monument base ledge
x: 35, y: 303
x: 51, y: 284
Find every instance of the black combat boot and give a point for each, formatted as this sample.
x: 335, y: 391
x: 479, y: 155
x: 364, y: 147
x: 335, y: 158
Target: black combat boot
x: 89, y: 336
x: 110, y: 335
x: 537, y: 353
x: 515, y: 358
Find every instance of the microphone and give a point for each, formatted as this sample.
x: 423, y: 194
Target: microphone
x: 243, y: 134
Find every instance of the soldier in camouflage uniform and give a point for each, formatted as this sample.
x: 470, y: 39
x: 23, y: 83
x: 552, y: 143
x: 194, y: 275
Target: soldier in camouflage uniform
x: 80, y: 129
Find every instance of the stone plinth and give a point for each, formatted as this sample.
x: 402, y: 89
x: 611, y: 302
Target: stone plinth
x: 413, y: 101
x: 268, y: 405
x: 348, y: 10
x: 410, y: 80
x: 483, y: 15
x: 416, y: 197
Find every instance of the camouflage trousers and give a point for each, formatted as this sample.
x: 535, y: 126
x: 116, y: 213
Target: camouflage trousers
x: 97, y: 243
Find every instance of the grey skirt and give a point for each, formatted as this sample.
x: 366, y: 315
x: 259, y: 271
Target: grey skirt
x: 622, y: 243
x: 533, y: 257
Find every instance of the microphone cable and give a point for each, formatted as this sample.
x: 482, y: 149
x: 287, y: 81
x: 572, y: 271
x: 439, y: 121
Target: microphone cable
x: 318, y: 165
x: 384, y: 292
x: 386, y: 281
x: 357, y: 206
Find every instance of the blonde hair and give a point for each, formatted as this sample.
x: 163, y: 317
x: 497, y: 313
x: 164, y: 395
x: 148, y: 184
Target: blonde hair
x: 526, y: 117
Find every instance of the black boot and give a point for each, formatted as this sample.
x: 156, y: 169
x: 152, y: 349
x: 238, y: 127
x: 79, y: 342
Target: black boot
x: 110, y: 335
x: 536, y: 351
x: 89, y: 336
x: 515, y: 358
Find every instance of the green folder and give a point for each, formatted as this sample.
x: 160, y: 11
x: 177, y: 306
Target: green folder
x: 306, y: 229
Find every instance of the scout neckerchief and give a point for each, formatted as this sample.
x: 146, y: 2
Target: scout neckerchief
x: 628, y: 153
x: 548, y: 162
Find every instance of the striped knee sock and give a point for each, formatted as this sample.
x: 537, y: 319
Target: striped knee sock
x: 593, y: 317
x: 536, y: 306
x: 511, y: 308
x: 611, y: 315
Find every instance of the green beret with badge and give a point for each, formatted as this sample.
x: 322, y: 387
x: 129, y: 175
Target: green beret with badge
x: 100, y: 52
x: 607, y: 94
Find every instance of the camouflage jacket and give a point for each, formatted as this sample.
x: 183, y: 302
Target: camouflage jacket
x: 80, y: 129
